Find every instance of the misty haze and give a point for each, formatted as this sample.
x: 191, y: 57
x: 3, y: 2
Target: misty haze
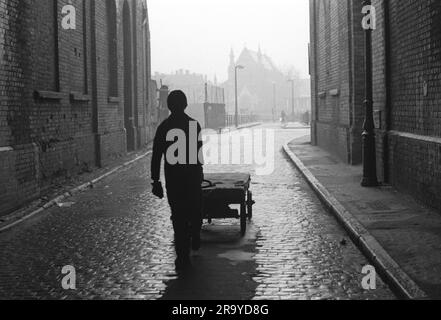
x: 220, y: 150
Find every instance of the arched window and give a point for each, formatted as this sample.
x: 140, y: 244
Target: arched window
x: 112, y: 48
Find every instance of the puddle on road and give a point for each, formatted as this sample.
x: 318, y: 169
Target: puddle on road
x: 237, y: 256
x: 65, y: 204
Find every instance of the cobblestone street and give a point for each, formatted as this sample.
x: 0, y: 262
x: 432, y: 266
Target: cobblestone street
x: 119, y: 239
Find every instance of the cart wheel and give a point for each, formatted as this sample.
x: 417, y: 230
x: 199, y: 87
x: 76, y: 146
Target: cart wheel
x: 250, y: 204
x: 243, y: 220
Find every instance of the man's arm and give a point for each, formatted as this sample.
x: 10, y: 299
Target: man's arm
x: 158, y: 151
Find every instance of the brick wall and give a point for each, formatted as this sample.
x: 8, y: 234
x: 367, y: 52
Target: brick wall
x: 407, y: 65
x: 406, y: 49
x: 313, y: 70
x: 336, y: 88
x: 379, y: 89
x: 58, y: 112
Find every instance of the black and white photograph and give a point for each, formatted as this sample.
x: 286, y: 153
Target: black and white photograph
x: 220, y: 157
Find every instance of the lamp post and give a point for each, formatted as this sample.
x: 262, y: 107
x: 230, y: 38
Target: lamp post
x: 292, y: 97
x: 275, y: 102
x: 368, y: 136
x: 238, y: 67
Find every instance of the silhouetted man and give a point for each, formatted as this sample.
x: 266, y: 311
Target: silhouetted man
x: 178, y: 140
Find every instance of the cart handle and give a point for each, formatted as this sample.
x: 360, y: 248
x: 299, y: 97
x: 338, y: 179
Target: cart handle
x: 210, y: 184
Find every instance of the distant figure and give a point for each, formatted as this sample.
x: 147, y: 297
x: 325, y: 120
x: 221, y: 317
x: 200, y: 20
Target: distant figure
x: 183, y: 180
x: 283, y: 118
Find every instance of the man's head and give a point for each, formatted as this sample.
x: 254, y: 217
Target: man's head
x: 177, y: 101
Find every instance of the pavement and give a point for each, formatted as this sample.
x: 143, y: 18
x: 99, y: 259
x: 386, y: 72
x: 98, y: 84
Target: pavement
x: 401, y: 236
x: 119, y: 239
x: 63, y: 188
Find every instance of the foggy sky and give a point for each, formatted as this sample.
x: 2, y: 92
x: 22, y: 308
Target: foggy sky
x: 198, y: 34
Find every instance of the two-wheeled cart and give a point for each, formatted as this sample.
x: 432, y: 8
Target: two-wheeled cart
x: 221, y: 190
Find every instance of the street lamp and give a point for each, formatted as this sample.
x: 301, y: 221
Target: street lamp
x: 368, y: 136
x: 275, y: 102
x: 292, y: 96
x: 238, y: 67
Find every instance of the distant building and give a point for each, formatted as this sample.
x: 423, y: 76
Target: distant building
x: 206, y: 101
x: 192, y: 84
x: 263, y: 89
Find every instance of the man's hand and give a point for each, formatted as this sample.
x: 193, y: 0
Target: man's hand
x: 157, y: 189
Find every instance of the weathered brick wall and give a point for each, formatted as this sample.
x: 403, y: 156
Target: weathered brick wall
x: 415, y: 61
x: 357, y: 110
x: 57, y: 114
x: 141, y: 73
x: 408, y: 94
x: 313, y: 70
x: 415, y: 166
x: 327, y: 76
x: 336, y: 89
x: 406, y: 48
x: 380, y: 83
x: 19, y: 165
x: 110, y: 130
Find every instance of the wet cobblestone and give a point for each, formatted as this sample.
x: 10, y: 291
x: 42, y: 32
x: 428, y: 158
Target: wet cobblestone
x: 119, y: 239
